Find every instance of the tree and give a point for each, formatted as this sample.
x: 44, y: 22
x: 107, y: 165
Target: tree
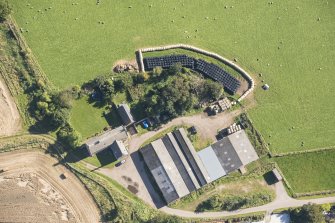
x: 63, y: 99
x: 105, y: 85
x: 175, y: 69
x: 157, y: 71
x: 60, y: 117
x: 309, y: 213
x: 5, y: 10
x: 326, y: 207
x: 69, y: 136
x: 212, y: 90
x: 43, y: 107
x: 119, y: 85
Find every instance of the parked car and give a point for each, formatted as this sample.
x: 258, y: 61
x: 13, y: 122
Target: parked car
x: 120, y: 163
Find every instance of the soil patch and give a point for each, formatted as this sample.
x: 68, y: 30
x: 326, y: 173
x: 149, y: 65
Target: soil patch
x: 10, y: 121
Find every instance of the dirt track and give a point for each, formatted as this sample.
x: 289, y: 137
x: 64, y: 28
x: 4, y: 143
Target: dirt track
x: 32, y: 191
x: 10, y: 121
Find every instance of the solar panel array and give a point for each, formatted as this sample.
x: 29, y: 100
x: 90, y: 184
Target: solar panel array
x: 211, y: 70
x: 167, y: 61
x: 218, y: 74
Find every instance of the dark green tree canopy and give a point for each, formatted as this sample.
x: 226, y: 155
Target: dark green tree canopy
x: 5, y: 10
x: 309, y: 213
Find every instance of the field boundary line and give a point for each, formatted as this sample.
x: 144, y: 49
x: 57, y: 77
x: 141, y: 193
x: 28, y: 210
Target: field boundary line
x: 305, y: 151
x: 14, y: 93
x: 204, y: 52
x: 37, y: 69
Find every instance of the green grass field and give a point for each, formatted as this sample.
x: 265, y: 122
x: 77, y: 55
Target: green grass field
x: 89, y: 119
x: 287, y: 41
x: 309, y: 172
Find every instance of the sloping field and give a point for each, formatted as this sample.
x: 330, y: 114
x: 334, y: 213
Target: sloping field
x: 32, y: 190
x: 309, y: 172
x: 290, y: 42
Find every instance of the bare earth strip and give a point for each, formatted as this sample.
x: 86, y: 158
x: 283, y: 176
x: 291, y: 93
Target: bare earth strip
x: 32, y: 191
x: 10, y: 121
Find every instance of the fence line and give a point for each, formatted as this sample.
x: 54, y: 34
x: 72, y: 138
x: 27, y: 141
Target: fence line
x: 207, y: 53
x: 304, y: 152
x: 37, y: 69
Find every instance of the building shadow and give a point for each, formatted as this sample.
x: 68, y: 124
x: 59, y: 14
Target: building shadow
x: 105, y: 157
x: 270, y: 178
x: 144, y: 174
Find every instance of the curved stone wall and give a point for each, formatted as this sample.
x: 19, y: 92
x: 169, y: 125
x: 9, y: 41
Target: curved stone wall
x: 207, y: 53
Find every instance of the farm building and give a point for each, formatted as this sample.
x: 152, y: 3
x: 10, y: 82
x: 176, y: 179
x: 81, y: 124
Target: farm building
x: 228, y: 154
x: 178, y: 169
x: 112, y: 139
x: 173, y: 163
x: 125, y: 114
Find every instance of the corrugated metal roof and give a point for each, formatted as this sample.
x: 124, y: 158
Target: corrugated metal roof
x: 170, y: 168
x: 158, y: 172
x: 211, y: 163
x: 243, y: 147
x: 227, y: 155
x: 125, y: 114
x: 101, y: 142
x: 118, y: 149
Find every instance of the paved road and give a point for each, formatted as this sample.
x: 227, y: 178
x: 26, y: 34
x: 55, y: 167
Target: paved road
x: 282, y: 201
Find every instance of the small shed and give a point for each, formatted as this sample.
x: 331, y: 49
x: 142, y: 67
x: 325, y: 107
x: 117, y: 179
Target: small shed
x: 118, y: 149
x: 125, y: 114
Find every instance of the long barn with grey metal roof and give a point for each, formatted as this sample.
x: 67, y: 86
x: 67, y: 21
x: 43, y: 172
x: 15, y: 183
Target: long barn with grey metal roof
x: 178, y: 169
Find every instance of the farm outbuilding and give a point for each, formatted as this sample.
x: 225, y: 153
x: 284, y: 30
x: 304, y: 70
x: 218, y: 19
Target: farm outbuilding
x: 174, y: 165
x: 119, y: 150
x: 125, y: 114
x: 106, y: 140
x: 178, y: 169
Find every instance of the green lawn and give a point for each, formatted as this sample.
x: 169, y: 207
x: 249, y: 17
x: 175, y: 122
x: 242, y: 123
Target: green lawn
x: 285, y: 41
x: 236, y: 188
x: 309, y: 172
x: 88, y: 118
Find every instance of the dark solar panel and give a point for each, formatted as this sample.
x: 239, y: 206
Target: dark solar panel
x: 218, y: 74
x: 167, y: 61
x: 213, y: 71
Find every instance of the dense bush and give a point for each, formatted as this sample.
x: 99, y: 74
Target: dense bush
x: 233, y: 202
x: 172, y: 97
x: 69, y: 135
x: 309, y: 213
x: 5, y: 10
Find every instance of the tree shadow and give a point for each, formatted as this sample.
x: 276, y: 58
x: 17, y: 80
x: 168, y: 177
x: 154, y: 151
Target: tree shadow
x: 112, y: 117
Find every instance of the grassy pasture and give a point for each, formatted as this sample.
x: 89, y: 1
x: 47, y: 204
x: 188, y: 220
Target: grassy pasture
x: 89, y: 119
x: 310, y: 171
x: 235, y: 188
x: 287, y: 41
